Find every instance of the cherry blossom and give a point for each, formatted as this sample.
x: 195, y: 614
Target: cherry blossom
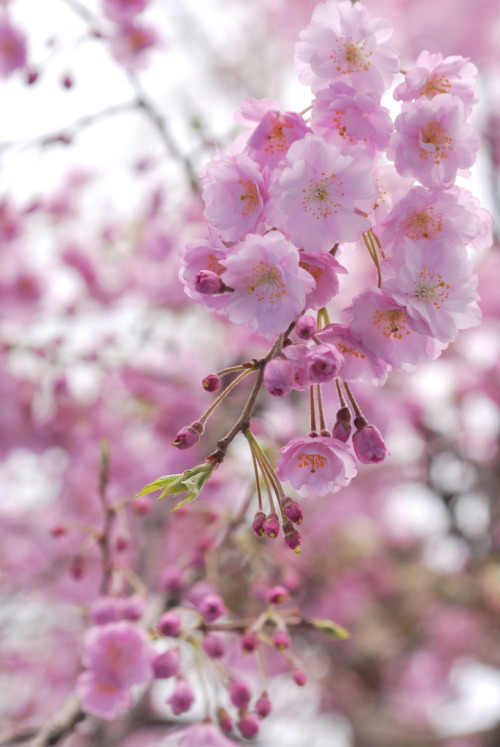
x: 315, y: 466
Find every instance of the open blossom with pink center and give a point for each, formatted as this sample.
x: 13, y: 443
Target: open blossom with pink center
x: 436, y: 286
x: 131, y: 43
x: 324, y: 269
x: 101, y: 698
x: 234, y: 194
x: 384, y: 327
x: 360, y: 364
x: 316, y: 465
x: 199, y: 255
x: 318, y: 192
x: 436, y: 214
x: 119, y: 654
x: 123, y: 10
x: 433, y: 75
x: 343, y: 42
x: 344, y: 116
x: 433, y: 141
x: 12, y: 48
x: 274, y: 131
x: 269, y: 286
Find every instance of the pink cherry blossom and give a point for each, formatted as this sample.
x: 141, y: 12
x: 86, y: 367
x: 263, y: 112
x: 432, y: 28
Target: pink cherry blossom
x: 434, y: 74
x: 118, y: 653
x: 12, y: 48
x: 432, y: 141
x: 269, y: 286
x: 274, y: 132
x: 234, y: 194
x: 278, y: 377
x: 198, y: 255
x: 436, y: 286
x: 322, y: 363
x: 316, y: 465
x: 131, y: 43
x: 123, y: 10
x: 342, y: 42
x: 324, y: 269
x: 383, y: 326
x: 100, y: 697
x: 452, y: 215
x: 344, y: 117
x: 319, y: 191
x: 369, y: 445
x: 360, y: 364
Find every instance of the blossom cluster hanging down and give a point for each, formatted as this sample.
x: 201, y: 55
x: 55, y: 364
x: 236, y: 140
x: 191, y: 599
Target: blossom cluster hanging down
x: 297, y: 194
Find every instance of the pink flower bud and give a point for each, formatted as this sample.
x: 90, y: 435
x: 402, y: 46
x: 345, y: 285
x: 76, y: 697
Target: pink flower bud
x: 300, y: 677
x: 172, y: 581
x: 166, y: 664
x: 281, y: 640
x: 224, y: 719
x: 77, y: 568
x: 292, y: 510
x: 258, y: 523
x: 169, y: 624
x: 278, y: 595
x: 211, y: 383
x: 58, y: 530
x: 105, y: 610
x: 292, y: 538
x: 121, y: 544
x: 212, y: 607
x: 369, y: 445
x: 249, y: 725
x: 188, y: 435
x: 239, y: 694
x: 272, y: 525
x: 263, y: 706
x: 141, y: 506
x: 213, y: 645
x: 342, y: 427
x: 249, y: 642
x: 306, y: 327
x: 133, y: 608
x: 322, y: 363
x: 182, y: 698
x: 207, y: 282
x: 278, y: 377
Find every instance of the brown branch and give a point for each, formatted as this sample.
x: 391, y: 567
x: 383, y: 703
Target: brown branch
x: 61, y: 724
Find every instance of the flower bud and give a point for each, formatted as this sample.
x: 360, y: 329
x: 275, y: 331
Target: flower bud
x: 292, y: 537
x: 188, y: 435
x: 278, y: 595
x: 263, y: 706
x: 224, y: 719
x: 213, y: 645
x: 121, y: 544
x: 300, y: 677
x: 211, y: 383
x: 212, y: 607
x: 342, y: 427
x: 249, y: 642
x: 322, y: 363
x: 306, y: 327
x: 278, y: 377
x: 166, y: 664
x: 292, y: 511
x: 207, y: 282
x: 258, y: 523
x: 272, y: 525
x: 369, y: 445
x: 182, y: 698
x: 281, y: 640
x: 169, y: 624
x: 248, y: 725
x: 58, y: 530
x: 239, y: 694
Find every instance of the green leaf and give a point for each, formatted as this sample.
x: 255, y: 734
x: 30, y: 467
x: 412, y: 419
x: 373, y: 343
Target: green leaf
x: 161, y: 482
x: 190, y: 481
x: 328, y: 627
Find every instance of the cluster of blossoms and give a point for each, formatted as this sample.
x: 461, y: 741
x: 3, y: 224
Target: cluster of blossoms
x: 131, y: 38
x: 293, y: 196
x: 119, y: 654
